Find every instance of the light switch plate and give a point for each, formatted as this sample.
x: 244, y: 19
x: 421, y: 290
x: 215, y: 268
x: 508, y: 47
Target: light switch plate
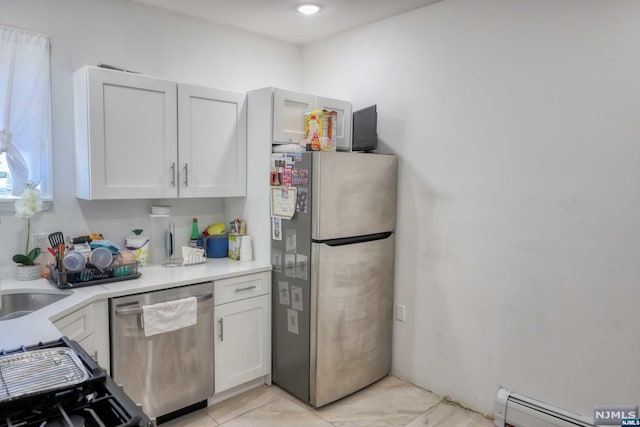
x: 400, y: 312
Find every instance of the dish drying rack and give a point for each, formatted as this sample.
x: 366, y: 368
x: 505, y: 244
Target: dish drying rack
x: 92, y: 275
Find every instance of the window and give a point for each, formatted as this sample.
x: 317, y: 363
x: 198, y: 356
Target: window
x: 25, y: 113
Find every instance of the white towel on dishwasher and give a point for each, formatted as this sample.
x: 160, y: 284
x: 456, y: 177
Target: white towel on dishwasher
x: 169, y: 316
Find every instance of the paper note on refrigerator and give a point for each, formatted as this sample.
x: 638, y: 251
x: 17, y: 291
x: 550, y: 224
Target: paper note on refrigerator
x: 296, y: 298
x: 292, y: 321
x: 283, y: 202
x: 291, y: 244
x: 276, y: 228
x: 283, y: 292
x: 301, y: 266
x: 290, y: 265
x: 276, y: 260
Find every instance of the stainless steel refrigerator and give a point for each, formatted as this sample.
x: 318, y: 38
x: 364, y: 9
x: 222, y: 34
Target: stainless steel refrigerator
x: 333, y: 267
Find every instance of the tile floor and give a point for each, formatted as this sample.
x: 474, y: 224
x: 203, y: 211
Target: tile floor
x: 390, y: 402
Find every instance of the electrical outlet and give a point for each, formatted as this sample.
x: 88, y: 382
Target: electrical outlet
x: 37, y: 241
x: 400, y: 312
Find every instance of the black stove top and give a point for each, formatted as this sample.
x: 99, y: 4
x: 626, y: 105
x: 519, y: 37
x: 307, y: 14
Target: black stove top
x: 98, y: 401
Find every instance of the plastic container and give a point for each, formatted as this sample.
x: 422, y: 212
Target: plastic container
x: 139, y: 245
x: 246, y: 249
x: 74, y: 261
x: 234, y: 246
x: 161, y: 210
x: 217, y: 246
x: 160, y: 249
x: 101, y: 257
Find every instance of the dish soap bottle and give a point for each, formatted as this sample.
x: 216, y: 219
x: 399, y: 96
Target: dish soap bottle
x: 314, y: 130
x: 195, y: 235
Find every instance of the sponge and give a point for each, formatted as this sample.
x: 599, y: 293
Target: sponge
x: 213, y: 229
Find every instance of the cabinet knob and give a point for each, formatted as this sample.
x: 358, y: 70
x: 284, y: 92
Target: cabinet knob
x: 186, y: 174
x: 221, y: 325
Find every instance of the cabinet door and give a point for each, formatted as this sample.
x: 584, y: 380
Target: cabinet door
x: 77, y: 325
x: 212, y: 141
x: 288, y: 115
x: 132, y: 135
x: 343, y: 128
x: 89, y: 326
x: 243, y: 341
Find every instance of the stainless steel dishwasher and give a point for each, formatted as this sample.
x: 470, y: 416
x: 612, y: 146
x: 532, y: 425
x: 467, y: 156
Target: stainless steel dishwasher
x: 168, y: 371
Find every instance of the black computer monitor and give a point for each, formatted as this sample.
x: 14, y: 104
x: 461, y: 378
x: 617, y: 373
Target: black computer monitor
x: 365, y: 129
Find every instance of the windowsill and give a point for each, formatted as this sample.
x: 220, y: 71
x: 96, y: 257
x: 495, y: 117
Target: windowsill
x: 7, y: 206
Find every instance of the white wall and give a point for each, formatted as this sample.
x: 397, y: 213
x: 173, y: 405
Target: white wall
x: 151, y: 41
x: 516, y: 125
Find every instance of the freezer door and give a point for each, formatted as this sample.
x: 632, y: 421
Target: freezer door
x: 353, y: 194
x: 351, y: 317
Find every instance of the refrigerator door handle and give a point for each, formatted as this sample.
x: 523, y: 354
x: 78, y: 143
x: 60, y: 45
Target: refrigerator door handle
x: 357, y: 239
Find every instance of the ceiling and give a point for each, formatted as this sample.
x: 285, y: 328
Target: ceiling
x: 279, y: 18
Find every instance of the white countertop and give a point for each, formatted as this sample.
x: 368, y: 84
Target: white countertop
x: 38, y: 326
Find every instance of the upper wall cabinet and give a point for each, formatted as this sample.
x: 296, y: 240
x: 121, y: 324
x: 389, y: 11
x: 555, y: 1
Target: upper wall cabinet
x: 343, y: 128
x: 288, y: 116
x: 212, y: 142
x: 126, y: 135
x: 139, y: 137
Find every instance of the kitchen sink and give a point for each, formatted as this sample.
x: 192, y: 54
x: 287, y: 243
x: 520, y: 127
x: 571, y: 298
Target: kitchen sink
x: 21, y: 304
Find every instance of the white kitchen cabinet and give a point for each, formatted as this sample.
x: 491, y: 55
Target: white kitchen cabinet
x: 126, y: 135
x: 288, y: 114
x: 211, y: 142
x: 89, y: 326
x: 289, y: 111
x: 140, y: 137
x: 242, y: 348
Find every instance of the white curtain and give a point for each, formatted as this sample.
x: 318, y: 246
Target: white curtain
x: 25, y: 105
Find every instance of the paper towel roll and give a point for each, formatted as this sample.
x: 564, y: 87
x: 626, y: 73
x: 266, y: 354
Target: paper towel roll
x: 246, y: 249
x: 159, y: 238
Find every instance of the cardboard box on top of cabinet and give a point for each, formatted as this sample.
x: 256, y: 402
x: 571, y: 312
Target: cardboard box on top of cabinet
x: 234, y: 245
x: 320, y: 130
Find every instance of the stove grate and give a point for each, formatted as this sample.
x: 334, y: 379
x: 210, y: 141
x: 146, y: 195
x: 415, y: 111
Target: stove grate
x: 94, y: 402
x: 39, y: 370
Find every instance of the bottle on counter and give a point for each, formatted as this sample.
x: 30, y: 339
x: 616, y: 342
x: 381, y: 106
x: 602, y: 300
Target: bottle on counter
x: 314, y: 130
x: 195, y: 235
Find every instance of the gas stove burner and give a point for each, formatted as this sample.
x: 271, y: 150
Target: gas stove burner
x: 96, y: 401
x: 73, y: 421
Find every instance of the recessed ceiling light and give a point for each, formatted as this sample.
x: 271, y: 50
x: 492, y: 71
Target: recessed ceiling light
x: 308, y: 8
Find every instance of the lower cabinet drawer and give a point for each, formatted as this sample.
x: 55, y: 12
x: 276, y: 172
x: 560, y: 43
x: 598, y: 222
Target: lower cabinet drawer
x: 239, y: 288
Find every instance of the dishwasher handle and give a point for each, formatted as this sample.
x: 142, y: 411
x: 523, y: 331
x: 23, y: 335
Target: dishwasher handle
x: 138, y: 310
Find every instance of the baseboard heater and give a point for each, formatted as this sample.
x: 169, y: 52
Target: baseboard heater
x: 514, y: 410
